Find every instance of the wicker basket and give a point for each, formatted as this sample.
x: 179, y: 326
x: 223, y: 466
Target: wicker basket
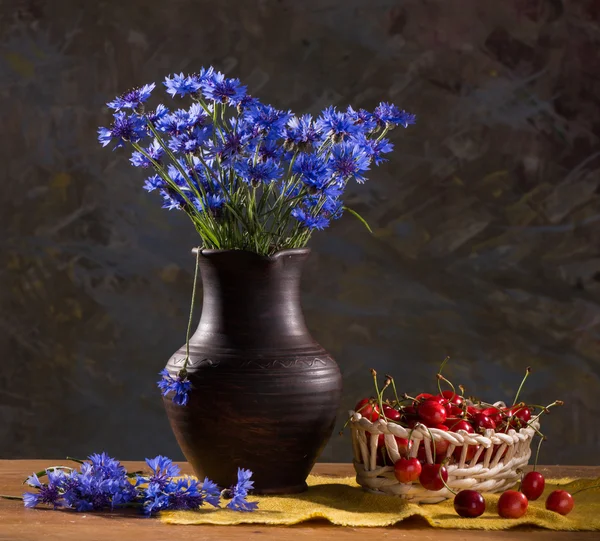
x: 504, y: 454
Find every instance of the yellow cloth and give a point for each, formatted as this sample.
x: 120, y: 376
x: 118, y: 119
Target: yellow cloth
x: 342, y: 502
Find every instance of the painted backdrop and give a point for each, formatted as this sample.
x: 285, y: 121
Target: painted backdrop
x: 486, y: 221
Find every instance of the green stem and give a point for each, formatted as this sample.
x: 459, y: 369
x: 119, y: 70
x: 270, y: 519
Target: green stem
x: 183, y: 371
x: 7, y: 497
x: 527, y: 372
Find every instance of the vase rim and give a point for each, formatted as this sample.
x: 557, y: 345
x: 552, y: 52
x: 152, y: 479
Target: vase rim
x: 277, y: 255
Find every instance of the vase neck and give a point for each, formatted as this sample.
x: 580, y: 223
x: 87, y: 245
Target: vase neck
x: 250, y: 301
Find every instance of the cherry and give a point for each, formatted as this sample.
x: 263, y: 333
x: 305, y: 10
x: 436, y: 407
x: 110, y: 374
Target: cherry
x: 391, y: 413
x: 512, y: 504
x: 560, y: 501
x: 459, y: 424
x: 441, y: 445
x: 403, y: 445
x: 367, y: 409
x: 469, y: 504
x: 433, y: 476
x: 456, y: 411
x: 472, y: 411
x: 494, y: 414
x: 409, y: 411
x: 432, y: 413
x: 407, y: 470
x: 483, y: 421
x: 519, y: 416
x: 422, y: 397
x: 533, y: 485
x: 453, y: 398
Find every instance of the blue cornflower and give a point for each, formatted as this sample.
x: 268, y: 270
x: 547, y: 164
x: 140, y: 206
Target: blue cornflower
x: 362, y: 118
x: 157, y: 114
x: 172, y: 201
x: 183, y: 494
x: 239, y: 492
x: 349, y: 160
x: 182, y: 84
x: 313, y: 170
x: 211, y: 493
x: 247, y: 101
x: 388, y: 113
x: 124, y: 128
x: 106, y: 465
x: 339, y: 126
x: 212, y: 201
x: 162, y: 469
x: 267, y: 120
x: 223, y: 90
x: 154, y: 183
x: 258, y: 173
x: 190, y: 141
x: 50, y: 493
x: 308, y: 220
x: 132, y: 99
x: 374, y: 148
x: 230, y: 146
x: 155, y: 151
x: 180, y: 386
x: 302, y: 131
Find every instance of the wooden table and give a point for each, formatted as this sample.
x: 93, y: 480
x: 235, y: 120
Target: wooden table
x: 20, y: 524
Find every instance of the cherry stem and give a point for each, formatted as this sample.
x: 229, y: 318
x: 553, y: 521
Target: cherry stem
x: 582, y: 489
x: 442, y: 465
x: 441, y: 378
x: 462, y: 389
x: 393, y: 387
x: 527, y: 372
x: 374, y: 374
x: 537, y: 454
x: 545, y: 410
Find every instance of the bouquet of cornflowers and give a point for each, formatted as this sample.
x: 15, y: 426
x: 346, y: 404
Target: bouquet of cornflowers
x: 249, y: 176
x: 103, y: 483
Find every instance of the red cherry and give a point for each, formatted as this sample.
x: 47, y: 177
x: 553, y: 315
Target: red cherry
x: 381, y: 440
x: 432, y: 413
x: 560, y: 501
x: 482, y: 421
x: 459, y: 424
x: 519, y: 416
x: 432, y: 475
x: 422, y: 397
x: 403, y: 445
x: 441, y: 445
x: 453, y: 398
x: 391, y: 413
x: 409, y: 411
x: 472, y: 411
x: 512, y: 504
x: 494, y: 414
x: 533, y: 485
x: 367, y: 409
x: 407, y: 470
x: 469, y: 504
x: 456, y: 411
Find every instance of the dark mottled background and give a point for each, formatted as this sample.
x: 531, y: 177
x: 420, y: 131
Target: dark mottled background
x: 486, y: 220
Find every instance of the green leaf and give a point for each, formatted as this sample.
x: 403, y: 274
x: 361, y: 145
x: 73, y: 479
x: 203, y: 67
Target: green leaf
x: 357, y: 215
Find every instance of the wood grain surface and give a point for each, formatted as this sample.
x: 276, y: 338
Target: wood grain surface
x: 20, y: 524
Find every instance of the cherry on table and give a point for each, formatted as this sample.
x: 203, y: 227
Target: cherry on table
x: 407, y: 470
x: 512, y: 504
x: 533, y: 485
x: 560, y: 501
x: 469, y: 504
x: 433, y: 476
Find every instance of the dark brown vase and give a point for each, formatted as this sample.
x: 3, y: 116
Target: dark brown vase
x: 264, y: 393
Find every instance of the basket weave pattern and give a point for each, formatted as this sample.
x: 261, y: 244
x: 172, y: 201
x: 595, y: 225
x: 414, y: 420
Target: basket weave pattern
x: 504, y: 454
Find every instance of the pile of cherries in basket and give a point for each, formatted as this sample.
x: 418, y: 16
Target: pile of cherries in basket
x: 449, y: 410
